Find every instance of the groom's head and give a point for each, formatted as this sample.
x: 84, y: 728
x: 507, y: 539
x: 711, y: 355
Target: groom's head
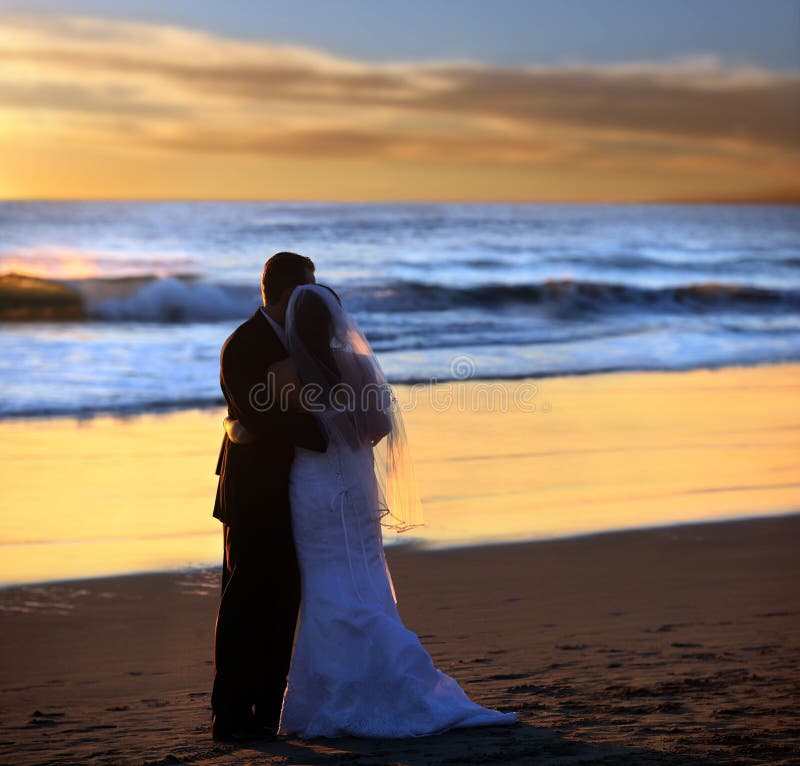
x: 282, y: 273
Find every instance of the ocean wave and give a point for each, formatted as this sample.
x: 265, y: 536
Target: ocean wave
x: 576, y: 298
x: 188, y: 298
x: 176, y: 299
x: 170, y: 299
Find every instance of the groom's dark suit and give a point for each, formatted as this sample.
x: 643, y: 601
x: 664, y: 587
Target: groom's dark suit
x: 260, y: 580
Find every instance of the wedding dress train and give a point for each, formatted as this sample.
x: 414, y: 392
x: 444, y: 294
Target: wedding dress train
x: 356, y: 670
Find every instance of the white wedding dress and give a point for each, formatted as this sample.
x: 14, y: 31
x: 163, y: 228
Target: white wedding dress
x: 356, y: 670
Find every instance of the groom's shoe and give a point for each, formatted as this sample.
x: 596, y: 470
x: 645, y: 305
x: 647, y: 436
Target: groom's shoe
x: 225, y: 730
x: 269, y: 732
x: 267, y: 723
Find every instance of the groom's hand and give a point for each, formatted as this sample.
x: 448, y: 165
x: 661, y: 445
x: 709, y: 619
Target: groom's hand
x: 237, y: 433
x: 243, y: 372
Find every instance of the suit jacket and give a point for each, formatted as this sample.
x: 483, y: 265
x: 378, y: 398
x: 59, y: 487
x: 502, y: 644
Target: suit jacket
x: 253, y: 488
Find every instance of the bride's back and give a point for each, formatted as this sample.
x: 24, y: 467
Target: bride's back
x: 341, y: 380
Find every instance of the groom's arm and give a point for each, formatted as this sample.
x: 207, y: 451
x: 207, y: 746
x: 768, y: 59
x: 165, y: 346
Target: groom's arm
x: 244, y: 377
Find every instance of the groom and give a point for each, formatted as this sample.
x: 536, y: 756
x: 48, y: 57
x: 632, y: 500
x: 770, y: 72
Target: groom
x: 260, y: 579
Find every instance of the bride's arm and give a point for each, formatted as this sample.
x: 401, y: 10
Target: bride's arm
x: 286, y: 387
x: 246, y: 387
x: 378, y: 422
x: 287, y: 384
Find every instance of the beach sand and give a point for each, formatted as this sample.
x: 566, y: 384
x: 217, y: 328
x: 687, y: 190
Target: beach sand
x: 672, y: 646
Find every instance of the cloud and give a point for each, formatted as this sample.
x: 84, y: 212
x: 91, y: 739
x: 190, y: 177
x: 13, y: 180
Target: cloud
x: 173, y: 89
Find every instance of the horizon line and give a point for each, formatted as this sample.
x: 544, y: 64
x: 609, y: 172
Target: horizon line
x: 778, y: 198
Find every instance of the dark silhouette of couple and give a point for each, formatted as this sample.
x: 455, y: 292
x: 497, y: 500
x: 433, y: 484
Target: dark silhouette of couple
x: 304, y: 493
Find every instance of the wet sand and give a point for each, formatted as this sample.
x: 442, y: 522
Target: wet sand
x: 108, y: 496
x: 678, y: 645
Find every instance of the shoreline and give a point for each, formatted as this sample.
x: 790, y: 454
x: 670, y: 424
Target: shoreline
x: 420, y: 547
x: 204, y: 405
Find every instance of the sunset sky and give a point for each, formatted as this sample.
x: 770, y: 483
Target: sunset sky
x: 602, y: 100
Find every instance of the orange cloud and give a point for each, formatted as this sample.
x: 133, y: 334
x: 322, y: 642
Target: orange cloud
x: 141, y: 88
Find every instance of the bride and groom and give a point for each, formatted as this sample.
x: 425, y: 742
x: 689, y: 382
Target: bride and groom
x: 312, y: 466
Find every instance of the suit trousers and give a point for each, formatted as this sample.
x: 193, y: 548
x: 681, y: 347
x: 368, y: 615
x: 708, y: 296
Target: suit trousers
x: 255, y: 625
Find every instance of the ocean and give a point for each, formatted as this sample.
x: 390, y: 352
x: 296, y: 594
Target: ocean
x: 520, y: 289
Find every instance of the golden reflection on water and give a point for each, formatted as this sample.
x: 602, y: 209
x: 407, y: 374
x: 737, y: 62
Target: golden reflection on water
x: 599, y: 452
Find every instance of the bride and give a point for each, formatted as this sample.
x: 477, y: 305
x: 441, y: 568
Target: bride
x: 356, y: 670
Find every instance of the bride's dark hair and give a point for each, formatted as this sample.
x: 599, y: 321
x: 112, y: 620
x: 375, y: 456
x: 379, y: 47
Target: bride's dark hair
x: 314, y: 327
x: 356, y: 407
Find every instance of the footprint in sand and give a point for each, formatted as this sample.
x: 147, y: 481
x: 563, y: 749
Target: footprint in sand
x: 524, y: 689
x: 669, y: 627
x: 155, y: 703
x: 41, y: 719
